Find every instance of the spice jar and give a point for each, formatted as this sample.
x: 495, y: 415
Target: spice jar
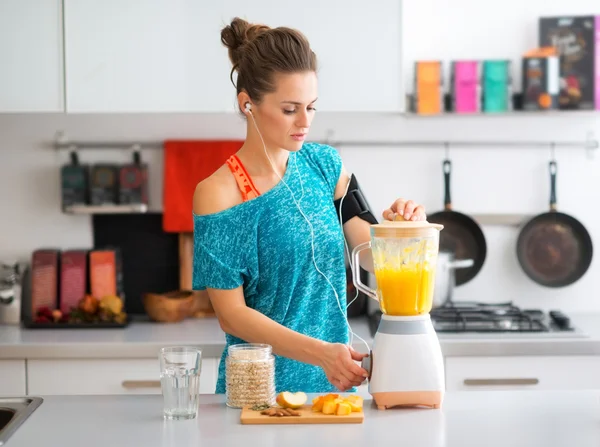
x: 250, y: 375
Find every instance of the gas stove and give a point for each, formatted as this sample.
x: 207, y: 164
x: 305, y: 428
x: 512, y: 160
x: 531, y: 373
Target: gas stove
x: 497, y: 317
x: 464, y: 317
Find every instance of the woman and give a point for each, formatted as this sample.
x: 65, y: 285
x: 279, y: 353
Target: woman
x: 255, y: 218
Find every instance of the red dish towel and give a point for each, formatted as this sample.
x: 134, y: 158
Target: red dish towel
x: 186, y: 163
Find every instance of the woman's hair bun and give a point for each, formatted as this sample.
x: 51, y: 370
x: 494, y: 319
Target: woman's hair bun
x: 238, y: 33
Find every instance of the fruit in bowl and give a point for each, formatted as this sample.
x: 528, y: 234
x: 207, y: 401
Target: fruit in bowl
x: 88, y: 304
x: 89, y: 309
x: 111, y: 303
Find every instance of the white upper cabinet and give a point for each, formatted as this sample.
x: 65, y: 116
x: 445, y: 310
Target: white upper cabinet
x: 167, y: 55
x: 144, y: 56
x: 357, y: 43
x: 31, y: 77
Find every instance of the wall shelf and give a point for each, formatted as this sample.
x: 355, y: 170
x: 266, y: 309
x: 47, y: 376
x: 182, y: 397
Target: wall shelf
x: 507, y: 114
x: 516, y: 110
x: 107, y: 209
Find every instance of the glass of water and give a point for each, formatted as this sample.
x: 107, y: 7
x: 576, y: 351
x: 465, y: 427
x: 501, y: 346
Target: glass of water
x: 180, y: 381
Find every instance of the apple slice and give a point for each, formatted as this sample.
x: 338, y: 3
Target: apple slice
x: 287, y: 399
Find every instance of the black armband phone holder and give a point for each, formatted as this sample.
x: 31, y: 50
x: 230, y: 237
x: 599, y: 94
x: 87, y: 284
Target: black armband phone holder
x: 354, y: 204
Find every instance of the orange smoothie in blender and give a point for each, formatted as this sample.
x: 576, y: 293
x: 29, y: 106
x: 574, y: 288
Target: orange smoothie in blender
x: 405, y: 291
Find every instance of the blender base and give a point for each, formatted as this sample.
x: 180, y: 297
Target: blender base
x: 406, y: 365
x: 385, y: 400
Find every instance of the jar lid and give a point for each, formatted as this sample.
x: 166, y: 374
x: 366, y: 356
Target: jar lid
x: 400, y: 227
x: 250, y: 351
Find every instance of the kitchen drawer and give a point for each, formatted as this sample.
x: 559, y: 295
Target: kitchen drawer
x: 12, y: 378
x: 105, y: 376
x: 528, y: 372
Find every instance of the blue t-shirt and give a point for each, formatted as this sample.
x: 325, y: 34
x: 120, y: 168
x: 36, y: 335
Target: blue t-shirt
x: 264, y: 245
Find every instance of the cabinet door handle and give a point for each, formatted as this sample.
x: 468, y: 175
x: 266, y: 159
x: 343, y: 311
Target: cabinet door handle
x: 140, y: 384
x: 497, y: 382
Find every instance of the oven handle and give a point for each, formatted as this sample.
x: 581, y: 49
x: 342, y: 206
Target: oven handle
x: 501, y: 382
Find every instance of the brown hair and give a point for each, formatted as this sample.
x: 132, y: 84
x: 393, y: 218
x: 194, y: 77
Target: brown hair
x: 258, y: 52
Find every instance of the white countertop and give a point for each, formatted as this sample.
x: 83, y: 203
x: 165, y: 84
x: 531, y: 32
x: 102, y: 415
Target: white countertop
x: 469, y: 418
x: 143, y: 339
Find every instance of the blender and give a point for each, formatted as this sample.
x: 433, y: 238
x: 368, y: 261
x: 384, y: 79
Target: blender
x: 405, y: 365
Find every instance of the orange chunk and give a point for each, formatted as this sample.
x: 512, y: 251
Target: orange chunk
x: 329, y: 407
x: 355, y: 406
x: 356, y: 402
x: 334, y: 404
x: 343, y: 409
x: 318, y: 403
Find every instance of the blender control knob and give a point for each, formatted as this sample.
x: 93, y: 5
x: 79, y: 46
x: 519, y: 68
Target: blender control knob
x: 367, y: 363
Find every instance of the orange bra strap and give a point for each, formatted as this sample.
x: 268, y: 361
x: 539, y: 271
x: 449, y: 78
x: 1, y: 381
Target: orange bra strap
x: 242, y: 178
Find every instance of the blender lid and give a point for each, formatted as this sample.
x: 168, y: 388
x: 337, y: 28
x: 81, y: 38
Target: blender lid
x: 401, y: 227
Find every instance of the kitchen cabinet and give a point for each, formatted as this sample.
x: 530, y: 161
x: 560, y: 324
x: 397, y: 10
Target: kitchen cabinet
x: 105, y: 376
x: 12, y: 378
x: 530, y: 372
x: 167, y: 55
x: 31, y: 78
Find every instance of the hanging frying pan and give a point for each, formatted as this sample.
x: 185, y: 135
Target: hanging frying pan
x: 461, y: 234
x: 554, y: 249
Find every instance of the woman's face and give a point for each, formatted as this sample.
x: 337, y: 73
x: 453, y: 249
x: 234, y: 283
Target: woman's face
x: 284, y: 116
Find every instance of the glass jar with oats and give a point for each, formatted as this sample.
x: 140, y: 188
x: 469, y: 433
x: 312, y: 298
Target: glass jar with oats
x: 250, y: 375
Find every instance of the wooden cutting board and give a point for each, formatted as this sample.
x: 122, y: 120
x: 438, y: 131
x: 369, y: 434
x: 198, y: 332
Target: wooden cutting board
x: 307, y: 416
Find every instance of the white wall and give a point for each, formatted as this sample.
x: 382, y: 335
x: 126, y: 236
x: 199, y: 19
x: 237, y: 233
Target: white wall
x: 511, y: 180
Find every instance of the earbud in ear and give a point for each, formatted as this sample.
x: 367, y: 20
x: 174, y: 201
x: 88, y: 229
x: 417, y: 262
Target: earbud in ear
x: 248, y: 107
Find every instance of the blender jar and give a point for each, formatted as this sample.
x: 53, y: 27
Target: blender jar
x: 404, y: 261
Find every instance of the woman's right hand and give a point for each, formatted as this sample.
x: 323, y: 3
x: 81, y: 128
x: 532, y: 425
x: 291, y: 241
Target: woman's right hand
x: 340, y: 369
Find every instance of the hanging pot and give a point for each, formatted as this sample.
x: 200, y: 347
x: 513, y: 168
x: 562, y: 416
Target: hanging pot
x: 554, y: 249
x: 462, y: 234
x: 445, y: 276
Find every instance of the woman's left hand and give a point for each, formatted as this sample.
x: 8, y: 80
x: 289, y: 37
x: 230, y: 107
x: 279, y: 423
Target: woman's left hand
x: 407, y: 209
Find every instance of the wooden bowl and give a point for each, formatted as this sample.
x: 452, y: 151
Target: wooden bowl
x: 202, y: 306
x: 169, y: 307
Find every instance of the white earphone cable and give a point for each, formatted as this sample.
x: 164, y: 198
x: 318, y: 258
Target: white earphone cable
x: 344, y: 313
x: 350, y: 261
